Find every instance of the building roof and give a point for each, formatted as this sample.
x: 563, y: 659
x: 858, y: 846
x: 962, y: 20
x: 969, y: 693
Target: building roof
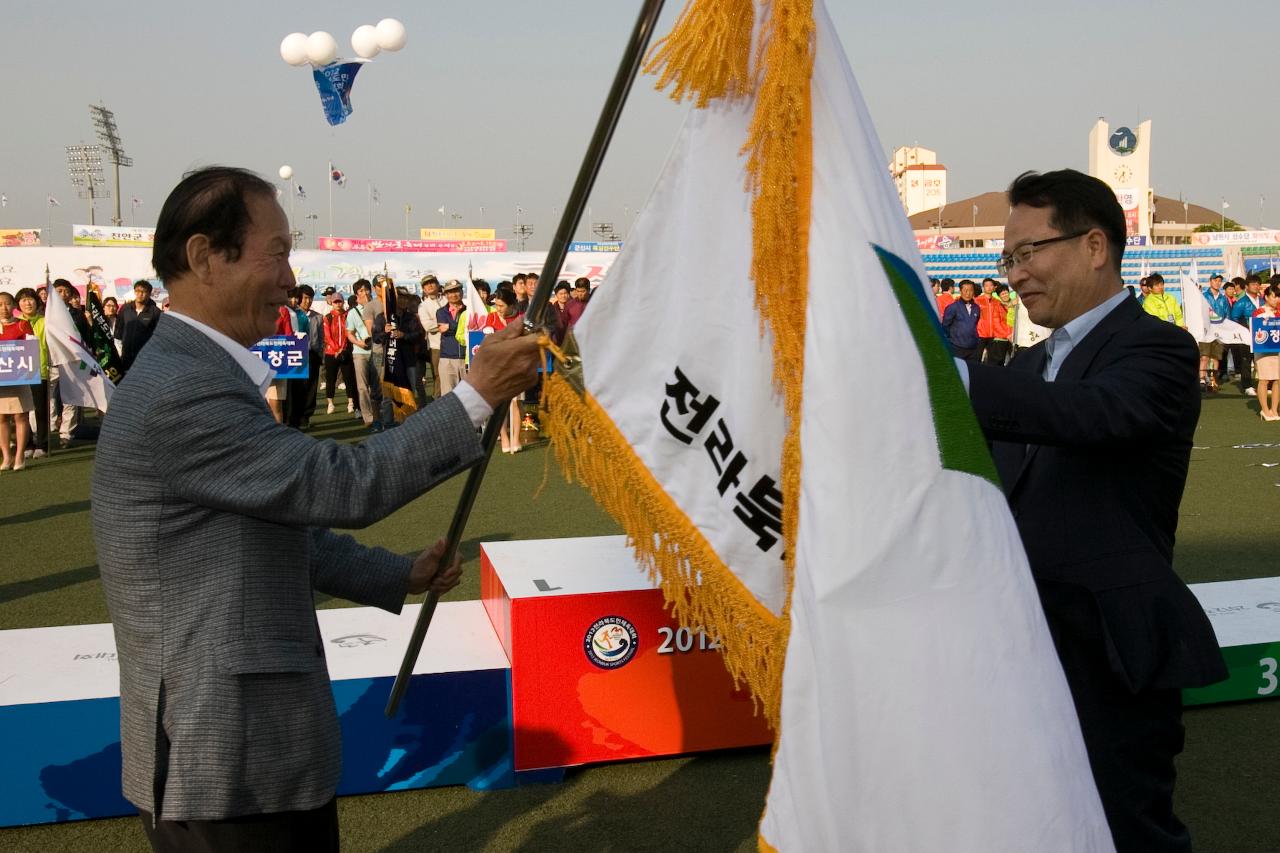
x: 993, y: 210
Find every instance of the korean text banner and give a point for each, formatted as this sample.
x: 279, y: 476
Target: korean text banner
x: 19, y: 236
x: 20, y: 362
x: 458, y: 234
x: 109, y: 235
x: 359, y: 244
x: 1266, y: 335
x: 287, y: 356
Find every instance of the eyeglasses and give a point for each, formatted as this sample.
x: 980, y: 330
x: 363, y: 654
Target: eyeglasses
x: 1026, y: 251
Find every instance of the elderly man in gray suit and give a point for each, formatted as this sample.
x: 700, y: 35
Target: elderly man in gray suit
x: 210, y: 551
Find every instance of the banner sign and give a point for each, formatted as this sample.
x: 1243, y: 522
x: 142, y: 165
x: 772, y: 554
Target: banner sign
x: 19, y: 236
x: 1235, y: 238
x: 285, y: 355
x: 607, y: 246
x: 109, y: 235
x: 994, y: 243
x: 20, y: 362
x: 1266, y: 335
x: 359, y: 244
x: 457, y: 233
x: 930, y: 242
x: 334, y: 82
x: 1129, y: 203
x: 115, y: 270
x: 1135, y: 240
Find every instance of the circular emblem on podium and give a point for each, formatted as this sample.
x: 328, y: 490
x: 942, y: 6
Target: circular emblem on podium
x: 610, y: 642
x: 1260, y: 337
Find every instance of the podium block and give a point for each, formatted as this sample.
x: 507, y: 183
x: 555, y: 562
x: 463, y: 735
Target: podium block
x: 60, y: 711
x: 1246, y: 617
x: 599, y: 670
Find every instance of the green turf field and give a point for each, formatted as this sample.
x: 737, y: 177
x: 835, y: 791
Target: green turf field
x: 1229, y: 774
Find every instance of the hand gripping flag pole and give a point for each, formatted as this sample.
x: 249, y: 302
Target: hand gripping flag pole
x: 573, y: 210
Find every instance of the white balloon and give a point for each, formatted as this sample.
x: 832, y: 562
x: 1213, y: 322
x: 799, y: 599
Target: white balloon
x: 391, y: 34
x: 286, y: 172
x: 321, y: 48
x: 364, y: 41
x: 293, y: 49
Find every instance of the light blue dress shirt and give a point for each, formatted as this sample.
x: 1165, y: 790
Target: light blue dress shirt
x: 1064, y: 338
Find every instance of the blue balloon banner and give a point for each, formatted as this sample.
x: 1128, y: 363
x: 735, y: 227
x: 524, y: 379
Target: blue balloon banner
x: 334, y: 82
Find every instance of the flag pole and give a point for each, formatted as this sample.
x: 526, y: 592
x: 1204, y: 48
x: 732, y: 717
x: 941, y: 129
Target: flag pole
x: 577, y: 202
x: 590, y: 168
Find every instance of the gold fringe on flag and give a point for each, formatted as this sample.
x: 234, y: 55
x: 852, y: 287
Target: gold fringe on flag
x: 697, y: 585
x: 707, y: 55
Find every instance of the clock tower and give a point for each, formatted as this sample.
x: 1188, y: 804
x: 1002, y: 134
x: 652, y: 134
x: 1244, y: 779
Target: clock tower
x: 1121, y: 157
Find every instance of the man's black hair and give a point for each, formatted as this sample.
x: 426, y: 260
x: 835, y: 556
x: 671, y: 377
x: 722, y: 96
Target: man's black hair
x: 1154, y: 279
x: 61, y: 282
x: 1079, y: 203
x: 946, y: 284
x: 582, y: 281
x: 362, y: 283
x: 1253, y: 278
x: 561, y: 285
x: 143, y: 283
x: 210, y: 201
x: 305, y: 290
x: 482, y: 286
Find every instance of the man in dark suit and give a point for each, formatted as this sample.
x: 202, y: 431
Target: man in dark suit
x: 1091, y: 431
x: 210, y: 554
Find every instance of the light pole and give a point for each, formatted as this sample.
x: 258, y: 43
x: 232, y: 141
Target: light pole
x: 286, y: 175
x: 408, y: 208
x: 105, y: 121
x: 1225, y: 205
x: 84, y: 165
x: 314, y: 217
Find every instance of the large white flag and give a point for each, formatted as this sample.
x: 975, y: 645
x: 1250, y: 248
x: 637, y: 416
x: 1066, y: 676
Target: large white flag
x: 81, y: 381
x: 842, y: 523
x: 1196, y: 313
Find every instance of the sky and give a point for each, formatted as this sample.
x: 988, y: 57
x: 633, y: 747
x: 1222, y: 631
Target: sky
x: 491, y: 103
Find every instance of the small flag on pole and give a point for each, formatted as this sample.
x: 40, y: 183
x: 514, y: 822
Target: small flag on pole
x: 53, y: 202
x: 337, y: 176
x: 373, y: 195
x: 4, y: 200
x: 135, y: 203
x: 300, y: 191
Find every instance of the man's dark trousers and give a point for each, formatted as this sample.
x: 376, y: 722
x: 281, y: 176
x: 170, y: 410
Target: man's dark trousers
x: 300, y: 405
x: 311, y: 831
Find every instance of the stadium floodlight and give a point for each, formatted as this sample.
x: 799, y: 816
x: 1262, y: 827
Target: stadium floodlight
x: 84, y: 167
x: 604, y: 230
x: 521, y: 231
x: 109, y: 138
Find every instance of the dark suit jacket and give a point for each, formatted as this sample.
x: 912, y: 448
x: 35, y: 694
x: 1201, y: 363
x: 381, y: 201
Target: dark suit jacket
x: 1094, y: 466
x: 212, y: 522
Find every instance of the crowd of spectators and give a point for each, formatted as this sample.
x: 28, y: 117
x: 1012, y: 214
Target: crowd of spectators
x: 980, y: 327
x: 347, y: 347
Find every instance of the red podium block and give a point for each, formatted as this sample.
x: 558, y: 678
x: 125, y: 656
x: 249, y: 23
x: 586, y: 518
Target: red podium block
x: 599, y: 670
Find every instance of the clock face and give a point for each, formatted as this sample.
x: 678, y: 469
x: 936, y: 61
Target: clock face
x: 1122, y: 174
x: 1123, y: 141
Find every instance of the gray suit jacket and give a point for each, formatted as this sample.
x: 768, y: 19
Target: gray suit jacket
x: 211, y: 523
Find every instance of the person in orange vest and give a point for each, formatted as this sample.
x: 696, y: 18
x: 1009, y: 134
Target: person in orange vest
x: 1003, y: 312
x: 988, y: 307
x: 944, y: 294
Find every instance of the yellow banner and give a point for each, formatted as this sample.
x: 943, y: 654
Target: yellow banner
x: 458, y: 234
